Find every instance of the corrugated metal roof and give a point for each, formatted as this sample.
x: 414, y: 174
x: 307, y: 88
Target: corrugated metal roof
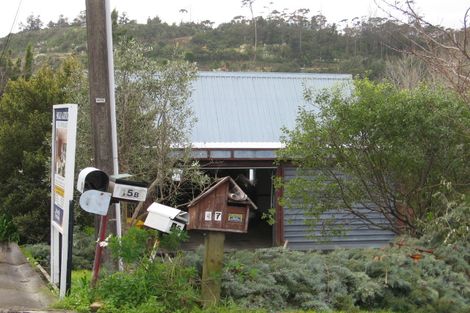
x: 251, y: 107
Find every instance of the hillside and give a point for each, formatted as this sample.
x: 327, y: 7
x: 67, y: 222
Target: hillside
x: 283, y: 43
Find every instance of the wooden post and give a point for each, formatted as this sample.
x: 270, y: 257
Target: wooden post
x: 101, y: 84
x: 212, y: 268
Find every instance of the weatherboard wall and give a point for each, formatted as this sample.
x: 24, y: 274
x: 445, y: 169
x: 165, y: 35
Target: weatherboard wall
x: 358, y: 233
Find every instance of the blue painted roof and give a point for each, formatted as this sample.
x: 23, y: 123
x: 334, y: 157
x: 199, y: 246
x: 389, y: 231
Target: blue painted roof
x: 243, y: 107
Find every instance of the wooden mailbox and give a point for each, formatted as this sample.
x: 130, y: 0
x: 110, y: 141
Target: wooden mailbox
x: 222, y: 207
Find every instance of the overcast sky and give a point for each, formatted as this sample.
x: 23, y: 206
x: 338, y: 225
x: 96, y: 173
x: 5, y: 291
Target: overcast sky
x: 445, y: 12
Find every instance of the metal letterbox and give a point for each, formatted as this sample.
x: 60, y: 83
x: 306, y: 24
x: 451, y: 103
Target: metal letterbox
x: 165, y: 218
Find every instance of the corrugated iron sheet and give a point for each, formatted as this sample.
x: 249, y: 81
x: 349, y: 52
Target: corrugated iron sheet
x: 251, y: 107
x: 358, y: 234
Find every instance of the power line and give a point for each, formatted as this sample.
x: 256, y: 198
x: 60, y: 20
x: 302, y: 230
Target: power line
x: 11, y: 29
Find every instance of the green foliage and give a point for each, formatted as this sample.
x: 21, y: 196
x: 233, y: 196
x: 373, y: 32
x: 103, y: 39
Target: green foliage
x: 152, y: 110
x: 451, y: 227
x: 379, y: 148
x: 348, y: 280
x: 132, y: 246
x: 153, y: 116
x: 26, y: 111
x: 277, y: 280
x: 287, y: 41
x: 81, y: 296
x: 153, y: 288
x: 170, y: 286
x: 83, y: 250
x: 8, y: 231
x: 38, y: 254
x: 269, y: 216
x: 28, y: 62
x: 173, y: 240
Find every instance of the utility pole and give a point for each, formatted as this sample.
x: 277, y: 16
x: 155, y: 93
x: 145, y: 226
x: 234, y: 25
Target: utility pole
x: 102, y: 102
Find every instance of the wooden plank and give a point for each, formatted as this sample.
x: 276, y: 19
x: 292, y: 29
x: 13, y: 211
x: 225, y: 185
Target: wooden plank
x: 212, y: 268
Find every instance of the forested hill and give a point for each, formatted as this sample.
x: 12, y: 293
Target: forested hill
x: 282, y: 42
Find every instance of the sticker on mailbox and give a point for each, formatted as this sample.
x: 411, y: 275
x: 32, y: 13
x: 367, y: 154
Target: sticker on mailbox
x: 235, y: 218
x: 208, y: 216
x: 218, y: 216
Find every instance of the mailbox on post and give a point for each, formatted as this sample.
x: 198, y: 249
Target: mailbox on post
x: 100, y: 190
x: 223, y: 207
x: 91, y: 178
x: 165, y: 218
x: 93, y: 185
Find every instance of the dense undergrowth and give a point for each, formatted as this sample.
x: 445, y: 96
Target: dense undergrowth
x: 429, y: 275
x: 399, y: 278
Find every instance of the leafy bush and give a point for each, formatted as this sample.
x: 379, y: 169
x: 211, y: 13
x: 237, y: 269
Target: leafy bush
x: 407, y: 276
x: 83, y: 250
x: 84, y: 244
x: 173, y: 240
x: 400, y: 278
x: 81, y: 296
x: 8, y: 230
x: 168, y: 284
x: 39, y: 253
x: 452, y: 226
x: 137, y: 244
x: 375, y: 143
x: 132, y: 246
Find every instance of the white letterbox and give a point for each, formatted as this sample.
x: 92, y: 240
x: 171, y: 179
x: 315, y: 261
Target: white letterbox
x: 91, y: 178
x: 165, y: 218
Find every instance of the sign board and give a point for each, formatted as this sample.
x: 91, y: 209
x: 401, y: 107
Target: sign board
x: 64, y: 129
x: 128, y: 192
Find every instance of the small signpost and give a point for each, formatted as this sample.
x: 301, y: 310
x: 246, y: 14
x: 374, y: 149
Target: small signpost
x: 64, y: 129
x: 223, y: 207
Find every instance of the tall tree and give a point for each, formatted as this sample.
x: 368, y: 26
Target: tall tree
x: 8, y: 70
x: 32, y: 23
x: 381, y: 150
x: 249, y: 5
x: 153, y: 119
x: 25, y: 130
x: 446, y: 51
x: 299, y: 17
x: 28, y: 62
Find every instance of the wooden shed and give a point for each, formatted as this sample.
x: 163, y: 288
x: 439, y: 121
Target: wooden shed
x: 240, y: 117
x: 222, y: 207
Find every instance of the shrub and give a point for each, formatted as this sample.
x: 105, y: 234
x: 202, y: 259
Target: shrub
x: 132, y: 246
x: 452, y: 226
x: 83, y: 250
x: 349, y: 279
x: 81, y: 296
x: 84, y: 244
x: 168, y: 285
x: 8, y: 230
x: 40, y: 253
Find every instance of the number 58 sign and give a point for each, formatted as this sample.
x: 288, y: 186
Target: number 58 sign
x: 132, y: 193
